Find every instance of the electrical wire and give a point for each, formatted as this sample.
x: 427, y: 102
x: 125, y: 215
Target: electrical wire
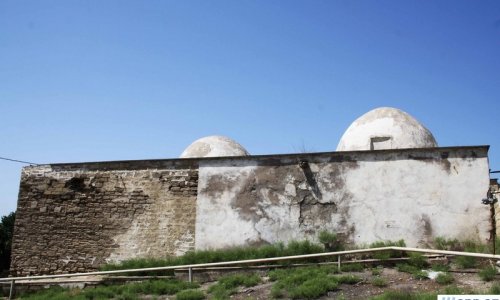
x: 19, y: 161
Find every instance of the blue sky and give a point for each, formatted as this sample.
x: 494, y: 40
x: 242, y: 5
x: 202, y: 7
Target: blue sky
x: 114, y: 80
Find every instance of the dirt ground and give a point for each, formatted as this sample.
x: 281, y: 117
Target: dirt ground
x: 364, y: 290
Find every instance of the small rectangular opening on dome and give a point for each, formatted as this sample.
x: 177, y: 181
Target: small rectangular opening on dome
x: 380, y: 142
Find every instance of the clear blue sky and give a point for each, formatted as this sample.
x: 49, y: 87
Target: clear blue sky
x: 114, y: 80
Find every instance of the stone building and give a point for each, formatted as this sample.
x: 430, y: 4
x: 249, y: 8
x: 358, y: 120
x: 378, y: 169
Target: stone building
x: 388, y: 180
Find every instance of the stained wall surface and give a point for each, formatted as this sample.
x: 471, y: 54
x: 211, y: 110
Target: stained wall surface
x: 366, y: 196
x: 76, y: 217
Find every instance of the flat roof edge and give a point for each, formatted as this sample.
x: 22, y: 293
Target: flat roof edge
x: 191, y: 161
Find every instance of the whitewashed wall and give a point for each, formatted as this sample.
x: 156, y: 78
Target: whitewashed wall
x: 367, y: 196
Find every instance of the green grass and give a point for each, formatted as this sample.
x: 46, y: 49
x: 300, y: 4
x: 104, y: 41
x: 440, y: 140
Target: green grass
x: 125, y: 292
x: 356, y: 267
x: 379, y: 281
x: 495, y: 289
x: 416, y: 272
x: 190, y: 295
x: 440, y: 267
x: 303, y: 283
x: 390, y: 253
x: 377, y: 271
x: 488, y: 273
x: 348, y: 279
x: 226, y: 286
x: 330, y: 241
x: 401, y: 295
x: 444, y: 278
x: 417, y: 260
x: 229, y: 254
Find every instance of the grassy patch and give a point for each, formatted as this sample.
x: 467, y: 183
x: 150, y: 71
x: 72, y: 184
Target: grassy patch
x: 495, y: 289
x: 377, y: 271
x: 416, y: 272
x: 379, y: 281
x: 124, y: 292
x: 330, y: 241
x: 440, y: 267
x: 230, y: 254
x: 190, y: 295
x: 348, y: 279
x: 444, y: 278
x: 402, y: 295
x: 442, y: 243
x: 356, y: 267
x: 417, y: 260
x: 390, y: 253
x: 226, y: 286
x: 305, y: 283
x: 488, y: 273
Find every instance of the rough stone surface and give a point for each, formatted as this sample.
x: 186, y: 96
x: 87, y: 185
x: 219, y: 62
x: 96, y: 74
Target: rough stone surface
x: 386, y: 128
x: 78, y: 219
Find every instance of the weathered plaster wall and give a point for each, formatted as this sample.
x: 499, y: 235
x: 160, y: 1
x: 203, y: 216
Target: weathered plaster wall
x: 414, y: 194
x: 77, y: 217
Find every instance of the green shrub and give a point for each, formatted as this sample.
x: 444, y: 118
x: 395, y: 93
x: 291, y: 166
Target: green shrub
x: 417, y: 260
x: 495, y: 289
x: 376, y: 271
x: 417, y: 273
x: 308, y: 282
x: 348, y: 279
x: 190, y: 295
x: 379, y: 281
x: 330, y: 241
x: 442, y: 243
x: 226, y: 286
x: 488, y: 273
x: 390, y: 253
x: 440, y: 267
x: 313, y: 288
x: 209, y: 256
x: 356, y: 267
x: 444, y: 278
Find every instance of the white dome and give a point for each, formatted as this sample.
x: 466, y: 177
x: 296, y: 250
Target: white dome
x: 214, y: 146
x: 386, y: 128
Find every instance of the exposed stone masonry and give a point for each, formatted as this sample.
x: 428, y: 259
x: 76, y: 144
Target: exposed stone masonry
x: 77, y: 219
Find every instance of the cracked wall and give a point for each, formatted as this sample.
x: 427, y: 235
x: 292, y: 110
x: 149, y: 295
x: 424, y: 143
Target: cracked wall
x: 413, y: 194
x: 77, y: 217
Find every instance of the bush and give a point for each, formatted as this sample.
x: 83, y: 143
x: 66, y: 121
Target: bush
x: 356, y: 267
x: 442, y: 243
x: 379, y: 281
x: 190, y: 295
x: 376, y: 271
x: 495, y: 289
x: 417, y: 260
x: 226, y: 286
x: 414, y: 271
x: 209, y: 256
x: 488, y: 273
x: 349, y: 279
x: 444, y: 278
x: 390, y: 253
x: 308, y: 283
x: 330, y: 241
x: 440, y: 267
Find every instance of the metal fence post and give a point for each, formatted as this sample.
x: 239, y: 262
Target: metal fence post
x: 12, y: 289
x: 338, y: 263
x: 190, y: 274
